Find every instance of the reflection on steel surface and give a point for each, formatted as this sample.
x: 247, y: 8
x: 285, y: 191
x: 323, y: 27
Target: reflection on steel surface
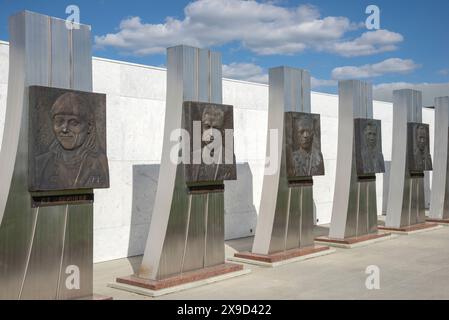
x: 406, y: 203
x: 354, y: 211
x: 286, y: 210
x: 187, y: 226
x: 37, y: 244
x: 439, y: 204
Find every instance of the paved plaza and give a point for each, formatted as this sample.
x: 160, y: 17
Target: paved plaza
x: 411, y: 267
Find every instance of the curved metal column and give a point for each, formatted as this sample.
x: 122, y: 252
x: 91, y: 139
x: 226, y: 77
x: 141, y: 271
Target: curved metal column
x: 286, y: 212
x: 439, y: 205
x: 354, y: 211
x: 187, y: 231
x: 406, y: 192
x: 37, y: 244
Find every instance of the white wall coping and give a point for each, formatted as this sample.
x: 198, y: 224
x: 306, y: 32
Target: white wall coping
x: 129, y: 64
x: 225, y: 79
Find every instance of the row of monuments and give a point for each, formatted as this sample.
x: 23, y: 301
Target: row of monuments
x: 54, y: 154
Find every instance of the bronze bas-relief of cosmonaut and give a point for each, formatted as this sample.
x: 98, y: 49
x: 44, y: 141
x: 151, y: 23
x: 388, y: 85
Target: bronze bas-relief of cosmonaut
x: 67, y: 140
x: 303, y: 145
x: 419, y: 158
x: 368, y: 147
x: 213, y: 119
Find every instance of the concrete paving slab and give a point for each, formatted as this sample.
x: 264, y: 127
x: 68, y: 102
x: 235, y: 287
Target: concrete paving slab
x: 412, y: 267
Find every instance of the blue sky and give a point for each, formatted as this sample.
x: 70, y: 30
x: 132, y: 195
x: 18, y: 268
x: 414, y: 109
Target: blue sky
x: 326, y: 37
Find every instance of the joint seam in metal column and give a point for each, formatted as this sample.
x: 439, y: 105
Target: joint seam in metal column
x: 410, y: 183
x: 30, y: 249
x: 302, y: 92
x: 209, y: 56
x: 206, y: 214
x: 368, y: 229
x: 50, y: 48
x: 358, y: 211
x: 300, y: 216
x: 418, y: 188
x: 187, y: 233
x: 72, y: 80
x: 292, y: 106
x: 62, y: 251
x: 288, y: 217
x: 197, y: 72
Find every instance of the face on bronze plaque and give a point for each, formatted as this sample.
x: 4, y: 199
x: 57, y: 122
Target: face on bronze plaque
x: 211, y: 120
x: 368, y: 147
x: 419, y: 159
x: 303, y: 145
x: 67, y: 140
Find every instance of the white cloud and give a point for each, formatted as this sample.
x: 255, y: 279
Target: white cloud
x: 262, y: 27
x: 321, y: 83
x: 384, y: 91
x: 254, y: 73
x: 393, y: 65
x: 444, y: 72
x: 245, y: 71
x: 369, y: 43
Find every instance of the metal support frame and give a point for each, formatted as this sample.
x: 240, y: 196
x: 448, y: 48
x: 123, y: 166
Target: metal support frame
x: 38, y: 244
x: 286, y: 213
x: 406, y: 203
x: 439, y: 205
x: 354, y: 211
x: 187, y: 230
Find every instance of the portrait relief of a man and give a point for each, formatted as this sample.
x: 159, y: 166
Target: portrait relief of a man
x: 68, y: 152
x: 303, y: 140
x: 420, y: 159
x: 368, y: 144
x: 214, y: 119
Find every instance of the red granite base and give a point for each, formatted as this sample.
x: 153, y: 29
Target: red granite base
x: 281, y: 256
x: 416, y: 227
x: 184, y: 278
x: 438, y: 221
x: 354, y: 240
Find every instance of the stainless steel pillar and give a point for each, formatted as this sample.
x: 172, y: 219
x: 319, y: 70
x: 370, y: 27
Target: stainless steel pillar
x: 354, y: 211
x: 37, y: 245
x: 406, y: 204
x: 286, y: 212
x: 187, y: 231
x: 439, y: 206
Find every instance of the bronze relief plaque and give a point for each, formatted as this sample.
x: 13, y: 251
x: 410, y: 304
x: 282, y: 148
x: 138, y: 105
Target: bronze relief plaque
x: 368, y: 147
x: 303, y: 145
x: 210, y: 162
x: 67, y: 140
x: 419, y: 158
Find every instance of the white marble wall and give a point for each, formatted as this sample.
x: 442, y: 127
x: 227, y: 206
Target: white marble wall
x: 135, y: 117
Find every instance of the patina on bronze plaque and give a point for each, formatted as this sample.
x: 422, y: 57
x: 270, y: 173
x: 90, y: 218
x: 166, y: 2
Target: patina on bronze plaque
x: 419, y: 158
x: 368, y: 147
x: 67, y: 140
x: 209, y: 160
x: 303, y: 145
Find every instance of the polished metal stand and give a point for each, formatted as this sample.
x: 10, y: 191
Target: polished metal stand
x: 187, y: 229
x: 44, y: 251
x: 286, y: 218
x: 439, y: 205
x: 354, y: 212
x: 406, y: 203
